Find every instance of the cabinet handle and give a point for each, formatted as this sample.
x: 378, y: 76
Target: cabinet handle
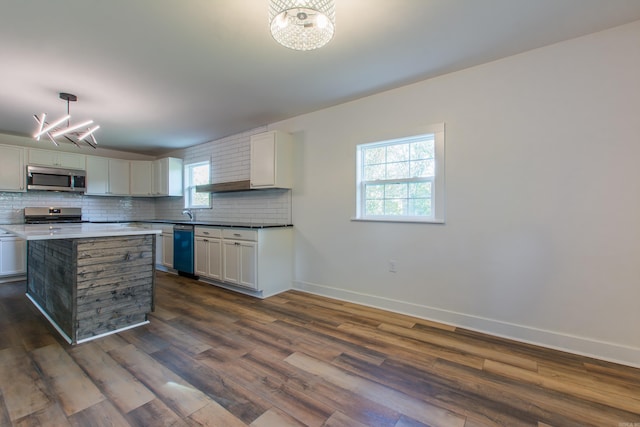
x: 205, y: 232
x: 237, y: 244
x: 237, y: 234
x: 205, y: 240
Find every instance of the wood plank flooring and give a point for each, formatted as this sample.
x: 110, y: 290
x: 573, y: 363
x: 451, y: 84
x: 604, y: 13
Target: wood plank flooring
x: 211, y: 357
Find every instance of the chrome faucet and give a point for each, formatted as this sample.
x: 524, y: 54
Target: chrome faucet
x: 188, y: 213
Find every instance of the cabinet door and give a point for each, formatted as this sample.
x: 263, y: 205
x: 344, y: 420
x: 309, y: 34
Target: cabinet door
x: 271, y: 160
x: 215, y: 259
x: 167, y: 249
x: 42, y: 157
x: 59, y: 159
x: 240, y: 263
x: 159, y: 185
x: 159, y: 249
x: 97, y: 175
x: 13, y: 255
x: 174, y: 176
x: 248, y: 264
x: 231, y: 259
x: 201, y: 257
x: 12, y: 170
x: 118, y: 177
x: 141, y: 177
x: 70, y: 160
x: 167, y: 177
x: 263, y: 160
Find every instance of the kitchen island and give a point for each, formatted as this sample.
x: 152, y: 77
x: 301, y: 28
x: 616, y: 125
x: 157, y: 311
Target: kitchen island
x: 89, y: 280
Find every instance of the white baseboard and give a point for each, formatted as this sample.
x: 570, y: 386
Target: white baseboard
x: 607, y: 351
x: 14, y: 278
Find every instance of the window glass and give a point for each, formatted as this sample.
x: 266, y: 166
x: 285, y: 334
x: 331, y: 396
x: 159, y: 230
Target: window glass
x: 196, y: 174
x: 402, y: 179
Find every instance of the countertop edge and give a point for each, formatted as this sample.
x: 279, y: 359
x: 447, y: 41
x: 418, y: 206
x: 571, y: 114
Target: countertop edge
x: 200, y: 223
x: 62, y: 231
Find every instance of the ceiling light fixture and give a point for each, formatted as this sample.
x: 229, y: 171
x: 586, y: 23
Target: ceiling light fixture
x: 72, y: 133
x: 302, y: 24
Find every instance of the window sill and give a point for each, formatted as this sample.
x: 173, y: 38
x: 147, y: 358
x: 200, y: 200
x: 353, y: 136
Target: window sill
x: 405, y: 220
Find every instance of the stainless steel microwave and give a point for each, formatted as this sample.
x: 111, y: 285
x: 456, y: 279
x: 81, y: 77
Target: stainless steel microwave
x: 56, y: 179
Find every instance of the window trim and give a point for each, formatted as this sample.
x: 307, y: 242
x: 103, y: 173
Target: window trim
x: 188, y: 186
x: 437, y: 130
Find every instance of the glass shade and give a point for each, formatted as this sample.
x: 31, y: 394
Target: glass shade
x: 302, y: 24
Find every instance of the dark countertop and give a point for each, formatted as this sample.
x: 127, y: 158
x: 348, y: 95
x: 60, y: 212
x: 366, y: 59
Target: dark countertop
x: 205, y: 223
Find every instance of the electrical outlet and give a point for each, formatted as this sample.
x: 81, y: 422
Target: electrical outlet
x: 392, y: 265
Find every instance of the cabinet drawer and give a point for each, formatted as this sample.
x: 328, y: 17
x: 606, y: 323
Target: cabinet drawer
x: 166, y: 229
x: 208, y: 232
x: 240, y: 234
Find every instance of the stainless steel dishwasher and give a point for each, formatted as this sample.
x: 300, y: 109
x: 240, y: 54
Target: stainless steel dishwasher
x: 183, y: 249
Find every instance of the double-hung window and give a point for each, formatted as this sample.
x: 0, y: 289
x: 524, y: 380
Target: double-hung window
x: 196, y: 174
x: 402, y: 179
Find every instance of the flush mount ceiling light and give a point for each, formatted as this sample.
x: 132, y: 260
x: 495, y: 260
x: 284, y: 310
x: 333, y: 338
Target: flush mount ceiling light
x: 302, y: 24
x: 80, y: 132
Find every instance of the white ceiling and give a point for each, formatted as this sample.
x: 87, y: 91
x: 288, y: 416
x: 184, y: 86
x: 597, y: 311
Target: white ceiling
x: 164, y: 74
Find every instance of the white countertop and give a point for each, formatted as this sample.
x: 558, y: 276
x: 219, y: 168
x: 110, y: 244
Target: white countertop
x: 73, y: 231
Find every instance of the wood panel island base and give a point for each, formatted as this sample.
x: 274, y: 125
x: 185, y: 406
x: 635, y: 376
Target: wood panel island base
x: 92, y: 286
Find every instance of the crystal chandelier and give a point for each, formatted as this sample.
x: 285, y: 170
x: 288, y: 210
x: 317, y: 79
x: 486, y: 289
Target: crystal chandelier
x: 77, y: 133
x: 302, y: 24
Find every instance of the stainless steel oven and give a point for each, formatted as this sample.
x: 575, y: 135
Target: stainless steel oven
x: 55, y: 179
x: 52, y: 215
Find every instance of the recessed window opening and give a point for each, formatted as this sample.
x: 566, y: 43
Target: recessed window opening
x: 402, y: 179
x: 196, y: 174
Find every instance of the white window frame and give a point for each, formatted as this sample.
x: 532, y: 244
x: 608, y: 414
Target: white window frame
x: 438, y: 189
x: 189, y: 186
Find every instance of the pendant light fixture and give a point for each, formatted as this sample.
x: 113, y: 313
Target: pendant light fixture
x: 302, y: 24
x: 80, y: 132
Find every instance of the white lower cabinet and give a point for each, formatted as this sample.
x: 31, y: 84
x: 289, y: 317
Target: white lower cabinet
x: 256, y: 260
x: 167, y: 248
x: 13, y: 255
x: 208, y: 252
x: 240, y: 263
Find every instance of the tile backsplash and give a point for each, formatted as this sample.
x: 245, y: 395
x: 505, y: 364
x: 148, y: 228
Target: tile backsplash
x: 258, y: 207
x: 94, y: 208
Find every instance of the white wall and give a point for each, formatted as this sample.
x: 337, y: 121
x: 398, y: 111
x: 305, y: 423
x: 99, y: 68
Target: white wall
x: 542, y: 234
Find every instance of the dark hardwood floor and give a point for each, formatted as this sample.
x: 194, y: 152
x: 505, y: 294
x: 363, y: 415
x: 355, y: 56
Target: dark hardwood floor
x: 217, y: 358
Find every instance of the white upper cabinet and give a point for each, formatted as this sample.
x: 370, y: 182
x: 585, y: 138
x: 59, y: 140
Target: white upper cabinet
x: 12, y: 168
x: 272, y: 160
x: 141, y: 177
x: 97, y: 175
x: 56, y: 158
x: 167, y: 177
x: 118, y: 177
x: 107, y: 177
